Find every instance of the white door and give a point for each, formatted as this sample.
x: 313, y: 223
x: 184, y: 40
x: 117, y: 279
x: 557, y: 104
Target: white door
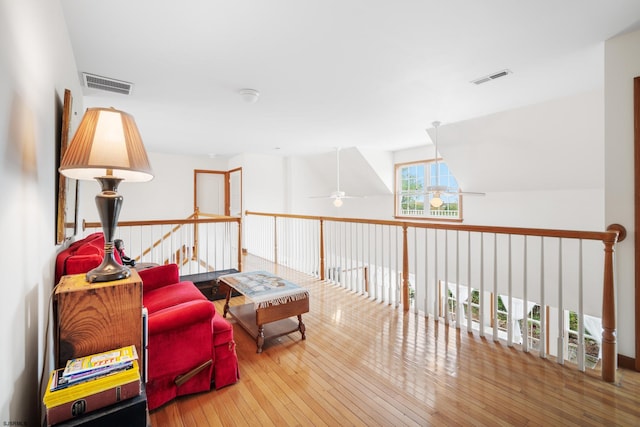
x: 235, y: 190
x: 210, y: 192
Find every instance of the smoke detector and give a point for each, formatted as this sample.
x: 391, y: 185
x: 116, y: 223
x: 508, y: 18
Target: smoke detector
x: 250, y: 96
x: 94, y: 81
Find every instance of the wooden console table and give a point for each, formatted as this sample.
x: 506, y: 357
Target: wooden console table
x: 274, y: 301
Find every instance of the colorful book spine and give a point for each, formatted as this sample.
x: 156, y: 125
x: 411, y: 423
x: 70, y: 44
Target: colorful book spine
x: 60, y: 381
x: 100, y: 360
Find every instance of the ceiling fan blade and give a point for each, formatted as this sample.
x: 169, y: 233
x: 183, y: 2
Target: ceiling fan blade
x: 447, y: 191
x: 333, y: 196
x: 438, y: 189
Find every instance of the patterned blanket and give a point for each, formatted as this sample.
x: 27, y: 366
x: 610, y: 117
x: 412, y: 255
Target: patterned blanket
x: 265, y: 289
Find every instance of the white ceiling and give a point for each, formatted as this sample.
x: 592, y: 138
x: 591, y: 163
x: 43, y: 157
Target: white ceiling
x: 333, y: 73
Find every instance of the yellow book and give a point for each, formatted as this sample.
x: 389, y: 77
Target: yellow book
x: 93, y: 387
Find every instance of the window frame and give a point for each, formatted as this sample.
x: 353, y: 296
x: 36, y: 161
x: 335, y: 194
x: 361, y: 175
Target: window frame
x: 398, y: 193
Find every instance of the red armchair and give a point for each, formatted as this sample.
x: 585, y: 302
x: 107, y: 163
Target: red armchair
x: 190, y: 345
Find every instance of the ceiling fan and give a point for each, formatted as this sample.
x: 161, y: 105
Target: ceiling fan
x: 337, y: 195
x: 438, y: 190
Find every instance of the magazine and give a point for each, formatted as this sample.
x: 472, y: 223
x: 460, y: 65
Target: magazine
x: 60, y: 381
x: 107, y: 359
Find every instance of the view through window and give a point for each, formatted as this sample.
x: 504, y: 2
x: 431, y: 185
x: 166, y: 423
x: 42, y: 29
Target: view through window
x: 413, y: 198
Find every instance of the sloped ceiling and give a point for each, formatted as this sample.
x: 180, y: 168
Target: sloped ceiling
x: 358, y: 177
x: 364, y: 73
x: 554, y: 145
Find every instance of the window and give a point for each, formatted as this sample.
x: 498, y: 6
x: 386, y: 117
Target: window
x: 591, y: 350
x: 412, y: 199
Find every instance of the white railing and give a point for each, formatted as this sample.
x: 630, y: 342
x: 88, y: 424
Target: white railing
x: 196, y: 245
x: 423, y: 266
x: 431, y: 213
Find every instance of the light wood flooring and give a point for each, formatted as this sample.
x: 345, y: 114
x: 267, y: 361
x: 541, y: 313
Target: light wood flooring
x: 367, y: 364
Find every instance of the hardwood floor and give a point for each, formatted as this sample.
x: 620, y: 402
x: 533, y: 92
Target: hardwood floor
x: 364, y: 363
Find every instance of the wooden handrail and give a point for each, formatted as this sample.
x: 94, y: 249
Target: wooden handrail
x: 207, y: 215
x: 609, y: 238
x: 540, y: 232
x: 88, y: 224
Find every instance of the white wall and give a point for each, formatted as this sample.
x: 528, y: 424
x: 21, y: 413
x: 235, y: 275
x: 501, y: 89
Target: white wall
x: 169, y: 195
x: 575, y: 209
x: 425, y: 152
x: 36, y: 65
x: 622, y: 64
x: 263, y: 181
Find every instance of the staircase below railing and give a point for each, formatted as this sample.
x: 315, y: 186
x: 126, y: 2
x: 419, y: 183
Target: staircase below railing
x: 196, y: 244
x: 550, y: 291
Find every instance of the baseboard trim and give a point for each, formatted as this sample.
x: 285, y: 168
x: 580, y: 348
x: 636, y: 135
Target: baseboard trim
x: 626, y: 362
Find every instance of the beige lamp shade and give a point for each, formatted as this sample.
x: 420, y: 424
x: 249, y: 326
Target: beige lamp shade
x: 107, y: 143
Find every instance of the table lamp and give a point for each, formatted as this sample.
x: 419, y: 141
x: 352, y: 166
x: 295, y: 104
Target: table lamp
x: 107, y: 147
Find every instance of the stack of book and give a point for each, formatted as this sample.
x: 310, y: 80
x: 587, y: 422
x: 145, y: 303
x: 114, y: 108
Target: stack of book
x: 92, y: 382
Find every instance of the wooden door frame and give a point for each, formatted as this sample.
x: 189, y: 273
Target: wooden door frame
x: 227, y: 187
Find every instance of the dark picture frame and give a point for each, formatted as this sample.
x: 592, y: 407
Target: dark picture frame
x: 66, y: 188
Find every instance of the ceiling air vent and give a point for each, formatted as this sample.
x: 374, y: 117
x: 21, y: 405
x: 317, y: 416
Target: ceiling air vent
x: 106, y: 83
x: 490, y: 77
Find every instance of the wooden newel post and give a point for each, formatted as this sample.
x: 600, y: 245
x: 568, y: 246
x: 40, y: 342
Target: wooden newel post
x: 405, y: 269
x: 608, y: 318
x: 609, y: 307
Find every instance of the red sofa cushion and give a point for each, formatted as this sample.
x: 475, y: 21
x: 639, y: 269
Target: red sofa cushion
x: 62, y: 257
x: 81, y: 256
x: 157, y: 277
x: 170, y: 295
x: 94, y: 247
x: 181, y: 316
